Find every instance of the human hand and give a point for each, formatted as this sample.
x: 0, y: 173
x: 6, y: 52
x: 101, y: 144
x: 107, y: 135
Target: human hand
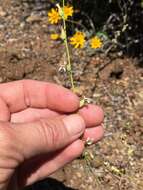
x: 40, y: 129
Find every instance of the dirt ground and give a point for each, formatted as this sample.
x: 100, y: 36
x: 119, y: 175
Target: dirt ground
x: 114, y: 82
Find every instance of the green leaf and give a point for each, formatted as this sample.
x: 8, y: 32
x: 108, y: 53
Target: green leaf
x: 102, y: 35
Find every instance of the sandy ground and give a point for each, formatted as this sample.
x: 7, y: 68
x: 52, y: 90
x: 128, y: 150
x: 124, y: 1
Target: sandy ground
x: 115, y: 83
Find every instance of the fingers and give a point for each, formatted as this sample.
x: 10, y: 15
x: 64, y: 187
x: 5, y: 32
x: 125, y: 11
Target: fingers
x: 44, y: 166
x: 19, y: 95
x: 40, y: 168
x: 93, y: 115
x: 32, y: 114
x: 46, y: 135
x: 29, y: 93
x: 95, y: 133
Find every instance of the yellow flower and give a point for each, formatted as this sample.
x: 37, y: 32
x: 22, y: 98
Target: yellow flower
x: 54, y: 16
x: 95, y: 42
x: 54, y: 36
x: 68, y: 11
x: 78, y: 40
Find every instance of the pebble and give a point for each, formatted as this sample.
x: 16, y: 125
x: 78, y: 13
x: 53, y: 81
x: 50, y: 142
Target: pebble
x: 1, y: 79
x: 97, y: 162
x: 2, y: 12
x: 78, y: 174
x: 33, y: 18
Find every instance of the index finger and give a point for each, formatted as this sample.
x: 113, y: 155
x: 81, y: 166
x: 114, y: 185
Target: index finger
x: 21, y: 94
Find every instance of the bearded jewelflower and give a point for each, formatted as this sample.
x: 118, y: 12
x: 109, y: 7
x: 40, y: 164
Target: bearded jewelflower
x: 78, y: 40
x: 68, y: 11
x: 54, y: 16
x: 95, y: 43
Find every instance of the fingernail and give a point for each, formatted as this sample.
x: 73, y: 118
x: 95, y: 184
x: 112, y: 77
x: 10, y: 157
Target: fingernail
x: 74, y: 124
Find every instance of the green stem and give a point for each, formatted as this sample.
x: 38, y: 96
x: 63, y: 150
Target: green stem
x: 67, y: 51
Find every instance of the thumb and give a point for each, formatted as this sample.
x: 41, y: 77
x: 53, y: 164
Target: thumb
x: 48, y: 135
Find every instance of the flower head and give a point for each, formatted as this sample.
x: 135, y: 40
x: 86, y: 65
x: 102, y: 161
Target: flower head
x: 78, y: 40
x: 96, y: 42
x: 68, y: 11
x: 54, y: 36
x: 54, y: 16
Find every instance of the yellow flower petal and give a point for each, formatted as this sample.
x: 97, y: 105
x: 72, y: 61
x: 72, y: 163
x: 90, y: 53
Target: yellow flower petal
x: 78, y: 40
x: 68, y: 11
x: 95, y: 42
x: 54, y: 36
x: 54, y: 16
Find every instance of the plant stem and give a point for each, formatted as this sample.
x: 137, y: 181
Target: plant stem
x: 67, y: 51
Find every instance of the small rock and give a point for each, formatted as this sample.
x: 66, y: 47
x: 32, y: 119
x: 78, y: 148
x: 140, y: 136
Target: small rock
x: 139, y: 110
x: 2, y: 12
x: 1, y: 79
x: 141, y: 122
x: 97, y: 162
x: 33, y: 18
x: 59, y: 175
x: 78, y: 174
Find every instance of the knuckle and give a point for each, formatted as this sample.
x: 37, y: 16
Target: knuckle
x: 53, y: 132
x: 5, y: 137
